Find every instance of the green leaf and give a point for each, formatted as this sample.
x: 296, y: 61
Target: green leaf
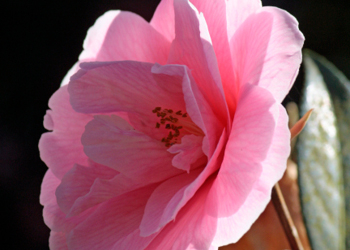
x: 339, y: 88
x: 320, y: 165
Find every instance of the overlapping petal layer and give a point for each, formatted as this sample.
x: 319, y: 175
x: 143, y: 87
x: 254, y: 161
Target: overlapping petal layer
x: 266, y: 50
x: 170, y: 134
x: 61, y: 148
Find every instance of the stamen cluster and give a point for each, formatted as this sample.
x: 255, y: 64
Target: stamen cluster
x: 169, y: 119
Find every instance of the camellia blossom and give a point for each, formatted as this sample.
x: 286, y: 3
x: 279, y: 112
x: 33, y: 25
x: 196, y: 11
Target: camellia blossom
x: 170, y: 134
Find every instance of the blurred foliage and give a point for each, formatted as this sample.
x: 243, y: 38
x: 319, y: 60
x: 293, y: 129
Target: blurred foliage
x: 323, y: 154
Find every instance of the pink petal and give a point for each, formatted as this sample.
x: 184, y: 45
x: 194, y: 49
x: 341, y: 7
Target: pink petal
x: 272, y: 170
x: 172, y: 196
x: 48, y: 187
x: 266, y: 50
x: 187, y: 153
x: 215, y: 15
x: 77, y: 182
x: 248, y: 144
x: 121, y: 35
x: 93, y: 42
x: 61, y: 148
x: 133, y: 87
x: 103, y: 190
x: 163, y: 201
x: 202, y: 114
x: 70, y: 72
x: 192, y: 47
x: 237, y: 11
x: 97, y: 33
x: 275, y: 163
x: 164, y: 19
x: 244, y: 189
x: 57, y: 241
x: 216, y: 18
x: 112, y: 221
x: 139, y: 156
x: 193, y: 228
x: 54, y: 218
x: 116, y: 30
x: 133, y: 241
x: 122, y: 86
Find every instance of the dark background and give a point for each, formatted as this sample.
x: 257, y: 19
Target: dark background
x: 43, y: 40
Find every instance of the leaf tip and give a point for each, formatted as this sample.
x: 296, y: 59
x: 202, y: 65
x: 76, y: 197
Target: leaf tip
x: 298, y: 127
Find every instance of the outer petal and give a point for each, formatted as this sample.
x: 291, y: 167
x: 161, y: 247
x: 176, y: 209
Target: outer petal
x: 164, y: 19
x: 216, y: 18
x: 48, y: 187
x: 112, y: 221
x: 223, y: 18
x: 139, y: 157
x: 61, y: 149
x: 266, y: 50
x: 77, y: 182
x: 54, y: 218
x: 93, y: 42
x: 121, y: 35
x: 275, y: 163
x: 103, y: 190
x: 192, y: 47
x: 273, y: 168
x: 96, y: 35
x: 57, y: 241
x: 237, y: 11
x: 193, y: 228
x: 248, y: 144
x: 162, y: 201
x: 133, y: 241
x: 70, y: 72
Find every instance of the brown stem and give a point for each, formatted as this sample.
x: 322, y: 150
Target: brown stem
x: 285, y: 218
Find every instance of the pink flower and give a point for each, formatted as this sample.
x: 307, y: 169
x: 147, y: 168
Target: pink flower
x: 171, y: 134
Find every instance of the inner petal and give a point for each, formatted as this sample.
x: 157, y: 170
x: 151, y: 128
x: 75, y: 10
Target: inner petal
x: 139, y: 156
x: 188, y: 152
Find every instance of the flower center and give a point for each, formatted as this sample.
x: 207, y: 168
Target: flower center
x: 175, y: 122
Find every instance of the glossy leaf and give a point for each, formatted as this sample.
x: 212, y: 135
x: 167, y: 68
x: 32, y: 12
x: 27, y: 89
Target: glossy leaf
x: 339, y: 89
x: 320, y: 164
